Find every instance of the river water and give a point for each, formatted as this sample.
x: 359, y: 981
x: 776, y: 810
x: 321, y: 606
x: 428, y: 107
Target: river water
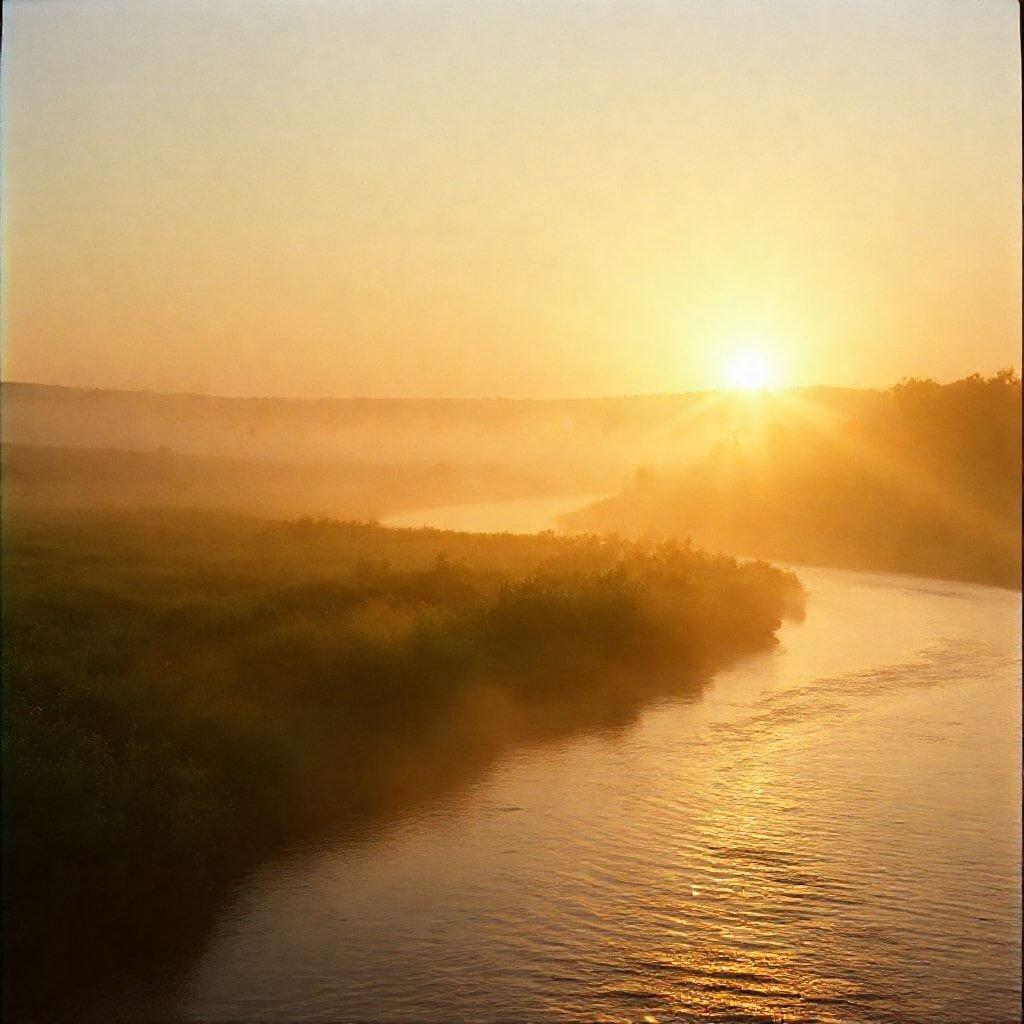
x: 830, y: 832
x: 514, y: 515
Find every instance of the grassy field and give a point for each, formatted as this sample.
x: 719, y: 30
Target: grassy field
x: 186, y: 692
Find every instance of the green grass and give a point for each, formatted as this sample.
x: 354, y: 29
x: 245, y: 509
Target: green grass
x: 184, y: 693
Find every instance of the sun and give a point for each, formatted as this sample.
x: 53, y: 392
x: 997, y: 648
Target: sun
x: 749, y: 370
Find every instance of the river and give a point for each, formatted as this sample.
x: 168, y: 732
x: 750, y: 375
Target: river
x: 514, y: 515
x: 829, y: 832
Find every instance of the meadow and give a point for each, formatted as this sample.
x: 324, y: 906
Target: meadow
x: 187, y: 692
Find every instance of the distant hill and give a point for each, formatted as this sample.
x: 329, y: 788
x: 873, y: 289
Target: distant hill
x: 360, y: 458
x: 599, y: 437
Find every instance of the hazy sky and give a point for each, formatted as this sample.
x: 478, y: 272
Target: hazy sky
x: 546, y: 198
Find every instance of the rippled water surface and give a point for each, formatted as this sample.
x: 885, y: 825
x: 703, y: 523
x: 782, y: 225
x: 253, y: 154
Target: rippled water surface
x: 828, y: 832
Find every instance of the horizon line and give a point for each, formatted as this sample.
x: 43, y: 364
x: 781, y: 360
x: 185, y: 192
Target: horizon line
x: 462, y: 398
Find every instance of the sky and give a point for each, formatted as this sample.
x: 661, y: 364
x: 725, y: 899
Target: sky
x: 533, y: 199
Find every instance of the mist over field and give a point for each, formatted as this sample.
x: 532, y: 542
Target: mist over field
x: 344, y: 457
x: 356, y: 457
x: 608, y: 434
x: 921, y: 478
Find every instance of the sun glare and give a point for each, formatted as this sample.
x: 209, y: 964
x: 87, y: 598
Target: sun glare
x: 749, y: 371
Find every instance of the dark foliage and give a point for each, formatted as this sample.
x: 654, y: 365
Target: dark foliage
x: 185, y: 692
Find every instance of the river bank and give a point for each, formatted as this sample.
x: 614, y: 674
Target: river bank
x: 827, y: 831
x: 186, y: 693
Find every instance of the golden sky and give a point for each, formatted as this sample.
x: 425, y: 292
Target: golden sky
x: 534, y: 199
